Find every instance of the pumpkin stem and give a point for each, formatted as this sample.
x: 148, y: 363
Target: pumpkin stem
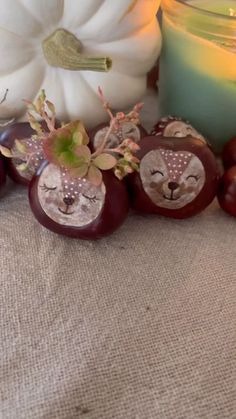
x: 62, y: 49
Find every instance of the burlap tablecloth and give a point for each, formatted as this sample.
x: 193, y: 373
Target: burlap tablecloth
x: 140, y: 325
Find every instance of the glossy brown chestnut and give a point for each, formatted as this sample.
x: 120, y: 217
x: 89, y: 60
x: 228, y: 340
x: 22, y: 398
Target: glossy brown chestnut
x: 173, y: 126
x: 129, y: 130
x: 227, y: 191
x: 2, y: 173
x: 229, y: 153
x: 75, y: 208
x: 178, y: 177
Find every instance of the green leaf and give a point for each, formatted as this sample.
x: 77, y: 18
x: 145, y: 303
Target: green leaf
x: 122, y: 162
x: 80, y: 171
x: 128, y: 156
x: 69, y: 160
x: 30, y: 105
x: 77, y: 138
x: 40, y: 101
x: 20, y: 146
x: 135, y: 167
x: 105, y: 161
x: 35, y: 125
x: 78, y: 126
x: 51, y: 107
x: 65, y: 146
x: 6, y: 152
x: 94, y: 176
x: 22, y: 167
x: 118, y: 174
x: 84, y: 152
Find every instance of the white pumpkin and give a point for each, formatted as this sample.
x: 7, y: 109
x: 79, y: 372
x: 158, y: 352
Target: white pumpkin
x: 124, y: 30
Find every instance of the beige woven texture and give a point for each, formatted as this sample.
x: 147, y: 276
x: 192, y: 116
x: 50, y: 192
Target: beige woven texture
x: 140, y: 325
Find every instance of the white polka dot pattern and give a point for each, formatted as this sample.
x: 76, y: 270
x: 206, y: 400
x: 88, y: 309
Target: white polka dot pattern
x: 176, y: 162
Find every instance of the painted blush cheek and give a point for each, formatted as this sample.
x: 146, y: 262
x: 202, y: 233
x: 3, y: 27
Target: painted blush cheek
x: 190, y: 189
x: 84, y: 208
x: 56, y: 199
x: 49, y: 200
x: 157, y: 186
x: 182, y: 188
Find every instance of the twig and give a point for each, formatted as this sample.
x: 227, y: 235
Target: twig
x: 104, y: 142
x: 4, y: 97
x: 105, y: 103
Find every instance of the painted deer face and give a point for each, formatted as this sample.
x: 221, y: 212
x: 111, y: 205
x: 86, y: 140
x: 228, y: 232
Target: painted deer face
x: 172, y: 179
x: 69, y: 201
x: 126, y: 130
x: 181, y: 129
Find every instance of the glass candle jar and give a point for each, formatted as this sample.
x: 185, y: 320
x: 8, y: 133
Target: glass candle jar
x: 198, y: 66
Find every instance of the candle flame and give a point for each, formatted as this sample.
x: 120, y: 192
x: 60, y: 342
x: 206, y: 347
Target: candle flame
x: 232, y: 12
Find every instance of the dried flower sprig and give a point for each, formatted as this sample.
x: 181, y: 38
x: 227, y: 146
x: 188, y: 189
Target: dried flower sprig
x: 120, y: 117
x: 45, y: 110
x: 67, y: 146
x: 128, y: 163
x: 22, y: 150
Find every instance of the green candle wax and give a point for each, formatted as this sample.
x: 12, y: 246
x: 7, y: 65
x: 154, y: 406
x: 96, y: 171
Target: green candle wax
x: 198, y: 71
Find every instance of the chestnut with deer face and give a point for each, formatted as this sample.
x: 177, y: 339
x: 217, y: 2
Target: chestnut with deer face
x: 2, y: 173
x: 23, y: 132
x: 75, y: 207
x: 126, y: 130
x: 172, y: 126
x: 178, y: 177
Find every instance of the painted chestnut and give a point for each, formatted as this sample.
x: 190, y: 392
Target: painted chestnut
x: 74, y: 207
x: 22, y: 131
x: 227, y: 191
x: 178, y: 177
x: 2, y: 173
x: 229, y: 153
x: 127, y: 130
x: 173, y: 126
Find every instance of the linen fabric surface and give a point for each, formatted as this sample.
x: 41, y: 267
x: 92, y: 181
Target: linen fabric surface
x: 139, y: 325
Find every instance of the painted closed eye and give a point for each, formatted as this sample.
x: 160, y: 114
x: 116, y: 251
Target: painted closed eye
x: 130, y: 131
x: 190, y: 130
x: 177, y: 134
x: 193, y: 177
x: 92, y: 199
x: 154, y: 172
x: 46, y: 188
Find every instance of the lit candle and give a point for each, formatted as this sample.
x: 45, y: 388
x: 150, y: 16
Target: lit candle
x: 198, y: 65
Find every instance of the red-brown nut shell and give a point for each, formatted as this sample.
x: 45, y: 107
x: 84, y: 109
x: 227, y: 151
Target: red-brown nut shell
x: 2, y: 173
x: 112, y: 216
x: 18, y: 130
x: 227, y: 191
x: 92, y: 133
x: 229, y: 153
x: 141, y: 202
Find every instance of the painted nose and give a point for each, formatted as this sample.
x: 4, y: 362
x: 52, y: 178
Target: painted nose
x: 173, y: 186
x: 68, y: 200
